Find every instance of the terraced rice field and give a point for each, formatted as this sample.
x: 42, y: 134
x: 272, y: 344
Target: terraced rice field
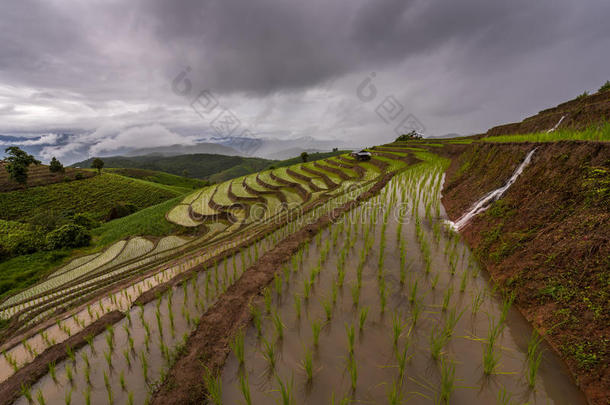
x: 384, y: 306
x: 247, y: 213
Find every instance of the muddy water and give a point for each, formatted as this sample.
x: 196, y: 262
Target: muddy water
x: 375, y: 355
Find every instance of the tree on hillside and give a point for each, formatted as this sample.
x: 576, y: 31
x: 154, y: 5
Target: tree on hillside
x: 605, y: 87
x: 55, y: 166
x: 410, y: 136
x: 97, y: 164
x: 304, y: 156
x: 18, y: 162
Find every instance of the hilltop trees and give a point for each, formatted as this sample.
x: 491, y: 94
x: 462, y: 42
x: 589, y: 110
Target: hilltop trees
x: 97, y: 164
x: 55, y: 166
x: 304, y: 156
x: 410, y: 136
x: 605, y: 87
x: 18, y: 162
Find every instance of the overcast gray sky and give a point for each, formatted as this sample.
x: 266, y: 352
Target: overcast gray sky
x: 107, y: 70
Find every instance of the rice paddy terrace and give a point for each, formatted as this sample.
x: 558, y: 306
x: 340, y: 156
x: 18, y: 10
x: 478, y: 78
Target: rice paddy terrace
x: 385, y: 305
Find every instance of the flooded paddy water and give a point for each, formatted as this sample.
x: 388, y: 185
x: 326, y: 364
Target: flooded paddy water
x: 418, y: 323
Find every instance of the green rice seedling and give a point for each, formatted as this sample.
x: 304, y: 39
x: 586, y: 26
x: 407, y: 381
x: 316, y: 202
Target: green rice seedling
x: 451, y: 321
x: 278, y: 285
x: 69, y: 374
x: 353, y: 373
x: 533, y: 364
x: 70, y: 353
x: 438, y: 340
x: 447, y: 298
x: 297, y: 306
x: 395, y: 393
x: 413, y: 293
x: 237, y: 345
x: 397, y: 328
x: 144, y: 363
x: 269, y: 352
x: 85, y: 358
x: 533, y: 344
x: 362, y: 319
x: 402, y: 358
x: 382, y: 298
x: 477, y: 301
x: 127, y: 356
x: 88, y: 395
x: 130, y: 398
x: 307, y: 365
x: 52, y: 372
x: 355, y: 290
x: 286, y: 396
x: 108, y: 357
x: 108, y: 389
x: 68, y: 397
x: 26, y: 392
x: 506, y: 304
x: 464, y: 281
x: 447, y: 385
x: 131, y: 343
x: 88, y: 374
x: 434, y: 281
x: 328, y: 309
x: 334, y: 293
x: 306, y: 289
x: 267, y: 297
x: 278, y: 324
x: 490, y: 360
x: 40, y: 398
x: 244, y: 387
x: 106, y: 380
x: 316, y: 327
x: 351, y: 338
x: 416, y: 309
x: 504, y: 398
x: 122, y: 381
x: 159, y: 321
x: 110, y: 342
x: 257, y: 319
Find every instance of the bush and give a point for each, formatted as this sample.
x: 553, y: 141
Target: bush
x: 605, y: 87
x: 85, y: 220
x: 70, y: 235
x: 120, y: 211
x: 79, y: 176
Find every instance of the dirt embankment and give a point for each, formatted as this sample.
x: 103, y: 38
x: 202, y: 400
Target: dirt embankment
x: 548, y: 241
x: 208, y: 346
x: 579, y: 113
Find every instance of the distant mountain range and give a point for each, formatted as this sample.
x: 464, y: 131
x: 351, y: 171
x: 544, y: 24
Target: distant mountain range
x: 68, y: 148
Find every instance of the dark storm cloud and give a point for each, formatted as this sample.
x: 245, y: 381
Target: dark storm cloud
x: 285, y: 65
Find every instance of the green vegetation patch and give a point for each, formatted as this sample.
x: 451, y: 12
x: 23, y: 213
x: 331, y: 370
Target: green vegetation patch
x: 95, y: 195
x: 594, y: 133
x: 167, y: 179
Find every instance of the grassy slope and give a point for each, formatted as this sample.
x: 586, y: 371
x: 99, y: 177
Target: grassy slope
x: 546, y: 241
x: 197, y: 165
x: 167, y: 179
x: 95, y: 195
x: 39, y: 175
